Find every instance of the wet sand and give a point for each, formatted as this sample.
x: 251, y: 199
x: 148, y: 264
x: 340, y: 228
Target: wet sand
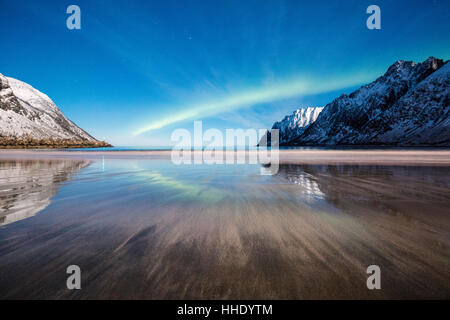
x: 374, y: 157
x: 144, y: 228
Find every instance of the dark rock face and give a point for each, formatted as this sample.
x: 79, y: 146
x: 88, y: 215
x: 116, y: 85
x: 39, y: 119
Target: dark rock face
x: 8, y: 100
x: 407, y: 106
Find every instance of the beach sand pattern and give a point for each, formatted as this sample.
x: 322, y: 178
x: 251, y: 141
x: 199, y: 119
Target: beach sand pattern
x: 141, y: 227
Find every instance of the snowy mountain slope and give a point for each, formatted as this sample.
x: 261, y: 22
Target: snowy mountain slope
x: 422, y: 116
x: 293, y: 125
x: 28, y: 114
x: 407, y: 106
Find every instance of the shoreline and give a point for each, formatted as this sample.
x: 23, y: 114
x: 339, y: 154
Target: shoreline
x: 33, y: 144
x: 332, y: 157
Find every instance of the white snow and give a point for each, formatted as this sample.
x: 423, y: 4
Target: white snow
x: 32, y: 114
x: 297, y: 122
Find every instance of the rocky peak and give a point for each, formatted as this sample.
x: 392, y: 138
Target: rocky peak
x: 29, y: 117
x: 409, y: 70
x: 3, y: 82
x: 295, y: 123
x: 408, y: 105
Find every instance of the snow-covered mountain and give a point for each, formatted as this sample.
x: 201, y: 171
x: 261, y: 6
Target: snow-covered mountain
x: 30, y: 118
x: 293, y: 125
x: 407, y: 106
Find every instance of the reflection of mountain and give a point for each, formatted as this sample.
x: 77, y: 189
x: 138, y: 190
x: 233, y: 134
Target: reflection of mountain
x: 370, y: 185
x: 27, y: 186
x: 306, y: 181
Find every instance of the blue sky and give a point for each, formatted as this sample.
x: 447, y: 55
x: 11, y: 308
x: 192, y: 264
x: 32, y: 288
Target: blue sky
x: 159, y: 65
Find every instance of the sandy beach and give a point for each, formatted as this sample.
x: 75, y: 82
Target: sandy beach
x: 141, y: 227
x: 381, y: 157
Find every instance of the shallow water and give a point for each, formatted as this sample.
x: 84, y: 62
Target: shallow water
x: 149, y: 229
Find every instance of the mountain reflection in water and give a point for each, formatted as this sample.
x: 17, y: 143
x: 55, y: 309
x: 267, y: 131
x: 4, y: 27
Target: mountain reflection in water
x: 152, y: 230
x: 26, y: 186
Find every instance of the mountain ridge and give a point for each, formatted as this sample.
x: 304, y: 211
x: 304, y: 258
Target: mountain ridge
x: 407, y: 106
x: 29, y: 118
x: 296, y: 123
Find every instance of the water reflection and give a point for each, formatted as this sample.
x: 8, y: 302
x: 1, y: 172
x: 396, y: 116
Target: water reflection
x: 306, y: 181
x: 152, y: 230
x: 371, y: 183
x: 26, y: 186
x: 375, y: 186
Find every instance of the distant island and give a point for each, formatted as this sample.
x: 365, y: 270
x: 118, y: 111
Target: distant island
x: 30, y: 119
x: 408, y: 106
